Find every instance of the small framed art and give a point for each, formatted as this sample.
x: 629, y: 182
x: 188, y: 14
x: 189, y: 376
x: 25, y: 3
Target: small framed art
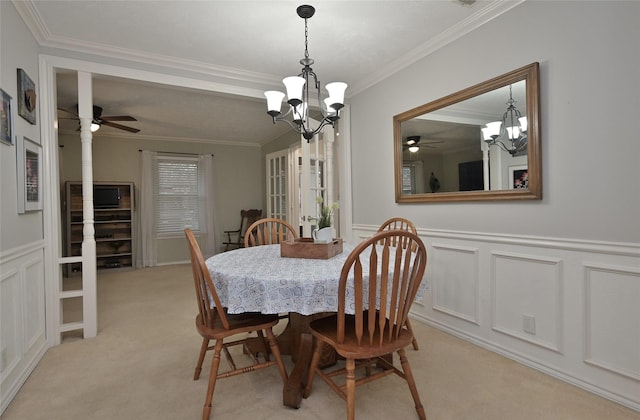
x: 27, y: 101
x: 29, y: 166
x: 518, y: 177
x: 6, y: 118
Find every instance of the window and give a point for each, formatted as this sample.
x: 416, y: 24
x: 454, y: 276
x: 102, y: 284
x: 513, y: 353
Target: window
x: 177, y: 199
x: 408, y: 179
x: 412, y: 177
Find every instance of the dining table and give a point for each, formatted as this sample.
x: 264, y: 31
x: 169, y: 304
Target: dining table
x: 260, y: 279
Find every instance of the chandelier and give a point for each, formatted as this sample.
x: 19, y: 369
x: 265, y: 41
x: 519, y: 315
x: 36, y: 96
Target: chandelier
x: 298, y: 93
x: 512, y: 129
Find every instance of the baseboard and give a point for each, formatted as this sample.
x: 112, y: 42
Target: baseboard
x: 527, y: 361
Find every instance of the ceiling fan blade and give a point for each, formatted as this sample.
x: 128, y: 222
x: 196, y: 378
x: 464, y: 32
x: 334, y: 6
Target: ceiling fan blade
x: 120, y: 126
x: 118, y: 118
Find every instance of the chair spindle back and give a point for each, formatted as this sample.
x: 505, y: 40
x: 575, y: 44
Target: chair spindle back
x: 383, y: 298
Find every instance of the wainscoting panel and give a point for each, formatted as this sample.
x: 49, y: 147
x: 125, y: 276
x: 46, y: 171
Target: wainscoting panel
x: 454, y: 281
x: 566, y: 307
x: 612, y: 314
x: 10, y: 333
x: 33, y: 309
x: 527, y: 298
x: 22, y: 323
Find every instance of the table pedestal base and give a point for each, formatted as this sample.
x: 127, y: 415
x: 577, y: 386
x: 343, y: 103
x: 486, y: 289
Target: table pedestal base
x: 297, y: 341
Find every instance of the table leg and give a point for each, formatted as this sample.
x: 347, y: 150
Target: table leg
x: 298, y: 342
x: 293, y: 389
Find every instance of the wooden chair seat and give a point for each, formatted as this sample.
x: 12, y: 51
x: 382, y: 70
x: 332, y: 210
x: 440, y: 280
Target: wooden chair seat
x: 325, y: 330
x: 238, y: 324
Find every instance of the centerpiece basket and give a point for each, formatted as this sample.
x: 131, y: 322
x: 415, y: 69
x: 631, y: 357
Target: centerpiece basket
x: 306, y: 248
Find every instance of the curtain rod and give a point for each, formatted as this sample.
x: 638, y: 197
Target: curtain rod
x: 175, y: 153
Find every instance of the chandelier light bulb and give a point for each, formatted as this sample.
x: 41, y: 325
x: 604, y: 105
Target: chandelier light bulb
x: 294, y: 85
x: 523, y: 124
x: 274, y: 102
x: 336, y: 93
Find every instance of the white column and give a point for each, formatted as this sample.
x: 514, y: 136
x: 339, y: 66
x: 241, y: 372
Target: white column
x: 89, y: 269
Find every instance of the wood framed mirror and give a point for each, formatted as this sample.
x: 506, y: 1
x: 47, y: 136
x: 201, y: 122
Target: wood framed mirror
x: 441, y: 152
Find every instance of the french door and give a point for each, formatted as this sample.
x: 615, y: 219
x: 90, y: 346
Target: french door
x: 298, y: 178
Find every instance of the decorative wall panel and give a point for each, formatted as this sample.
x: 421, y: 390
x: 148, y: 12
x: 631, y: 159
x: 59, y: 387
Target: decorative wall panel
x: 454, y: 281
x: 612, y: 318
x: 527, y: 298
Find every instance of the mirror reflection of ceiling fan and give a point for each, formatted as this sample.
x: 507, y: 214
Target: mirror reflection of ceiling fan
x: 100, y: 120
x: 413, y: 144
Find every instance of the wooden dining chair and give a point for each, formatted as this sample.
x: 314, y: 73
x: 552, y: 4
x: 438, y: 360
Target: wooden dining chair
x: 377, y: 327
x: 269, y: 231
x: 235, y: 238
x: 214, y: 323
x: 402, y: 224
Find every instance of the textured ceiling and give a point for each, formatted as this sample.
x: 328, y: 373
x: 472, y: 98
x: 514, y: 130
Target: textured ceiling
x: 253, y: 43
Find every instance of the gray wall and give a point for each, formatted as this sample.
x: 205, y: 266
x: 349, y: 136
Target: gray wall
x: 238, y: 174
x: 589, y: 61
x: 19, y: 50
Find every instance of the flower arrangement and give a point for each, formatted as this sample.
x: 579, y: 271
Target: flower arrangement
x: 325, y: 213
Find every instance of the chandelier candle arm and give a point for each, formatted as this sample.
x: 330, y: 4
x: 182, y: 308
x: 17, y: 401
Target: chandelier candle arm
x: 298, y: 87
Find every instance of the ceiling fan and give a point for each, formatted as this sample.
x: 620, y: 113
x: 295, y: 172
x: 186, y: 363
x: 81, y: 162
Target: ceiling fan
x: 100, y: 119
x: 413, y: 144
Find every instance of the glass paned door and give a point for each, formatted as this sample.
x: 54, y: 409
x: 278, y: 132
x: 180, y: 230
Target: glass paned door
x: 277, y: 185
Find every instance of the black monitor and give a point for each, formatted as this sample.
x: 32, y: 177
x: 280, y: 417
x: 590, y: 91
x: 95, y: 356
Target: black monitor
x: 106, y: 197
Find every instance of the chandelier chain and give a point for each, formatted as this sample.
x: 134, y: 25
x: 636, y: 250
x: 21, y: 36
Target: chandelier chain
x: 306, y: 42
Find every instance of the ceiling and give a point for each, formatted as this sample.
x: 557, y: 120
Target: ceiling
x: 249, y: 43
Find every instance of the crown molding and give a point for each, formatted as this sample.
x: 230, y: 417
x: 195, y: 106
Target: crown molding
x: 481, y: 17
x: 124, y: 136
x: 38, y: 28
x: 30, y: 15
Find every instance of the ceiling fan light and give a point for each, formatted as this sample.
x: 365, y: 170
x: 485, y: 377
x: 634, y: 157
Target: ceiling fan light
x: 294, y: 85
x: 95, y: 127
x: 414, y: 149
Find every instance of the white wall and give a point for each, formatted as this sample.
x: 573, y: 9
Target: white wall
x: 22, y: 311
x: 570, y: 260
x: 19, y: 50
x: 589, y: 63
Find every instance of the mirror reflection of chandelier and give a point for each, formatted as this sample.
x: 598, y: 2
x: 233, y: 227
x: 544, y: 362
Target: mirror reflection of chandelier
x: 510, y: 134
x: 298, y: 93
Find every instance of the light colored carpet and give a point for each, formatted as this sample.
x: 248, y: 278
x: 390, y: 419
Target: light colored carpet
x: 140, y: 366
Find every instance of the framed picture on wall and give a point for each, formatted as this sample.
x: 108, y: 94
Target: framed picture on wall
x: 29, y: 166
x: 26, y: 97
x: 518, y: 177
x: 6, y: 120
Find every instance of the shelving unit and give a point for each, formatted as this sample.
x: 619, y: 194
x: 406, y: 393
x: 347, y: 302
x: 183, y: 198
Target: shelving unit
x: 113, y: 227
